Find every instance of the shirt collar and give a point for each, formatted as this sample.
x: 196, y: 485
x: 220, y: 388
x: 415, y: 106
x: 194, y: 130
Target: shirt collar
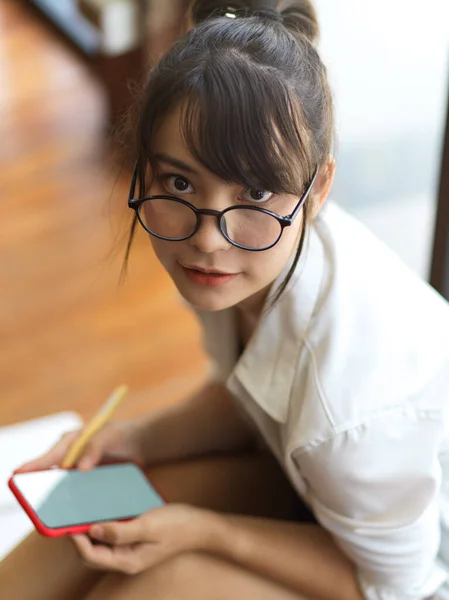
x: 268, y: 365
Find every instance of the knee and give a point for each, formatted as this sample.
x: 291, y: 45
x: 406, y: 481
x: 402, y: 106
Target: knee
x: 188, y: 575
x: 181, y: 570
x: 169, y: 579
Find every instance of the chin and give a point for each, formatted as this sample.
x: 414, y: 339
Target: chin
x: 206, y: 298
x: 207, y: 301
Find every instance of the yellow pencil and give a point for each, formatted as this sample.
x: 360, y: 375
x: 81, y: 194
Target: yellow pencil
x: 100, y: 419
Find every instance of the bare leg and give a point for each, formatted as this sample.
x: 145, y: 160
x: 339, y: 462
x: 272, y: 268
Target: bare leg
x: 250, y: 485
x: 46, y: 569
x: 191, y: 577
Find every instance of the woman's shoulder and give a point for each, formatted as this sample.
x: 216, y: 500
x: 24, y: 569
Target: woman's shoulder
x: 378, y: 335
x: 368, y: 291
x: 359, y: 261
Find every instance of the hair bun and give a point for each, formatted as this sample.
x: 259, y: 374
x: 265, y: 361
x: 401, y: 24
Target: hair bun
x: 298, y: 16
x: 208, y: 9
x: 268, y: 13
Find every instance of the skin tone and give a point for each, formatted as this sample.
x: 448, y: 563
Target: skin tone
x: 257, y: 557
x: 172, y: 530
x: 302, y: 557
x: 208, y: 248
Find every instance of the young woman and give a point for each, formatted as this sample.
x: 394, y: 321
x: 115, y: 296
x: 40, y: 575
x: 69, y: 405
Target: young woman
x: 331, y: 358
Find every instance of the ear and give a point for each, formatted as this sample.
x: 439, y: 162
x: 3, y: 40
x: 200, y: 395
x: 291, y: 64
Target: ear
x: 322, y: 186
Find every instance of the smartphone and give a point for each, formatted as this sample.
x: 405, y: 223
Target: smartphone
x: 68, y: 501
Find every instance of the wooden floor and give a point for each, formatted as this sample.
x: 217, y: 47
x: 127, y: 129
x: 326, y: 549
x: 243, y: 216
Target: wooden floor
x: 68, y: 333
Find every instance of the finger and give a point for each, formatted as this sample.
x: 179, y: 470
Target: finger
x: 92, y: 554
x: 51, y: 458
x: 82, y: 543
x: 91, y: 456
x: 94, y: 450
x: 121, y: 532
x: 120, y: 558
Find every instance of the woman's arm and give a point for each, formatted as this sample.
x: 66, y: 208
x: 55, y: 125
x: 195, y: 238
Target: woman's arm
x: 206, y: 422
x: 303, y: 557
x: 376, y: 489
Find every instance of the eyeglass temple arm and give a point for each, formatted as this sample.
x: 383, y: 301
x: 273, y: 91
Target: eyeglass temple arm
x: 132, y: 188
x: 304, y: 196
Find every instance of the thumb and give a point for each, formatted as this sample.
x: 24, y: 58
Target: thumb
x: 119, y: 533
x: 95, y: 450
x: 91, y: 457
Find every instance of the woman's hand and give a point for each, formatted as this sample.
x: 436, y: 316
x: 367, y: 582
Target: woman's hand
x: 116, y: 440
x: 134, y: 546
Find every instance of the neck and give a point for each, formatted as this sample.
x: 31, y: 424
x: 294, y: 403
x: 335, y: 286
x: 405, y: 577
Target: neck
x: 248, y: 313
x: 252, y: 307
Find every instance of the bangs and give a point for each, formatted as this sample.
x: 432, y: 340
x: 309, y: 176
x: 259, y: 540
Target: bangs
x: 240, y: 121
x: 244, y: 129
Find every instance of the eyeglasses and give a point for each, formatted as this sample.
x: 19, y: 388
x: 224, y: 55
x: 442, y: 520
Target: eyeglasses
x: 248, y: 227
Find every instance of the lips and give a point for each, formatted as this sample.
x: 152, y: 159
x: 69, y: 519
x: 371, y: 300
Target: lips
x: 206, y: 277
x: 206, y: 271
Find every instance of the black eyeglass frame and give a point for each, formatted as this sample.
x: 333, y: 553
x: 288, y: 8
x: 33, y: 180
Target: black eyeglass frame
x: 284, y: 221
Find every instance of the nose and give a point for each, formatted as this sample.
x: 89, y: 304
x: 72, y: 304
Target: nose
x: 209, y: 238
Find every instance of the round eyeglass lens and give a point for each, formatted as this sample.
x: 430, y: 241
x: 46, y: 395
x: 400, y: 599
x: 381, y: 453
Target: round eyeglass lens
x: 252, y: 229
x: 167, y: 218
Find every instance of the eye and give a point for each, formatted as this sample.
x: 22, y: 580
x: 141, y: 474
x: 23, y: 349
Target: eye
x: 254, y: 195
x: 176, y: 184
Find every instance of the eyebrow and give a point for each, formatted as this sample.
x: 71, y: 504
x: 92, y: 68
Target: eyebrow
x: 174, y: 162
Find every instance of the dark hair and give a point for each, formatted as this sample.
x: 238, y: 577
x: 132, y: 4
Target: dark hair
x: 256, y: 104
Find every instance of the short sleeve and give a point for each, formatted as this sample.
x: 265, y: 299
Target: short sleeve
x: 375, y: 488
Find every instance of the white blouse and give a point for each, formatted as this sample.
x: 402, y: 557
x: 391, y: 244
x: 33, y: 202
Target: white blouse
x: 347, y: 379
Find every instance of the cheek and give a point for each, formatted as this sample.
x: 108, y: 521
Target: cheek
x: 270, y: 263
x: 291, y: 236
x: 287, y: 245
x: 264, y: 267
x: 163, y: 251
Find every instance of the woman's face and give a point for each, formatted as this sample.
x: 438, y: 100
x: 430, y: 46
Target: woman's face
x: 193, y: 264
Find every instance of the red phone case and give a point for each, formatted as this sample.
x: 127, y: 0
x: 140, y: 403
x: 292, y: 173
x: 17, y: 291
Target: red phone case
x: 71, y: 529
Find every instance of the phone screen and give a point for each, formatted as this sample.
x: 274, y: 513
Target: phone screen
x: 62, y: 498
